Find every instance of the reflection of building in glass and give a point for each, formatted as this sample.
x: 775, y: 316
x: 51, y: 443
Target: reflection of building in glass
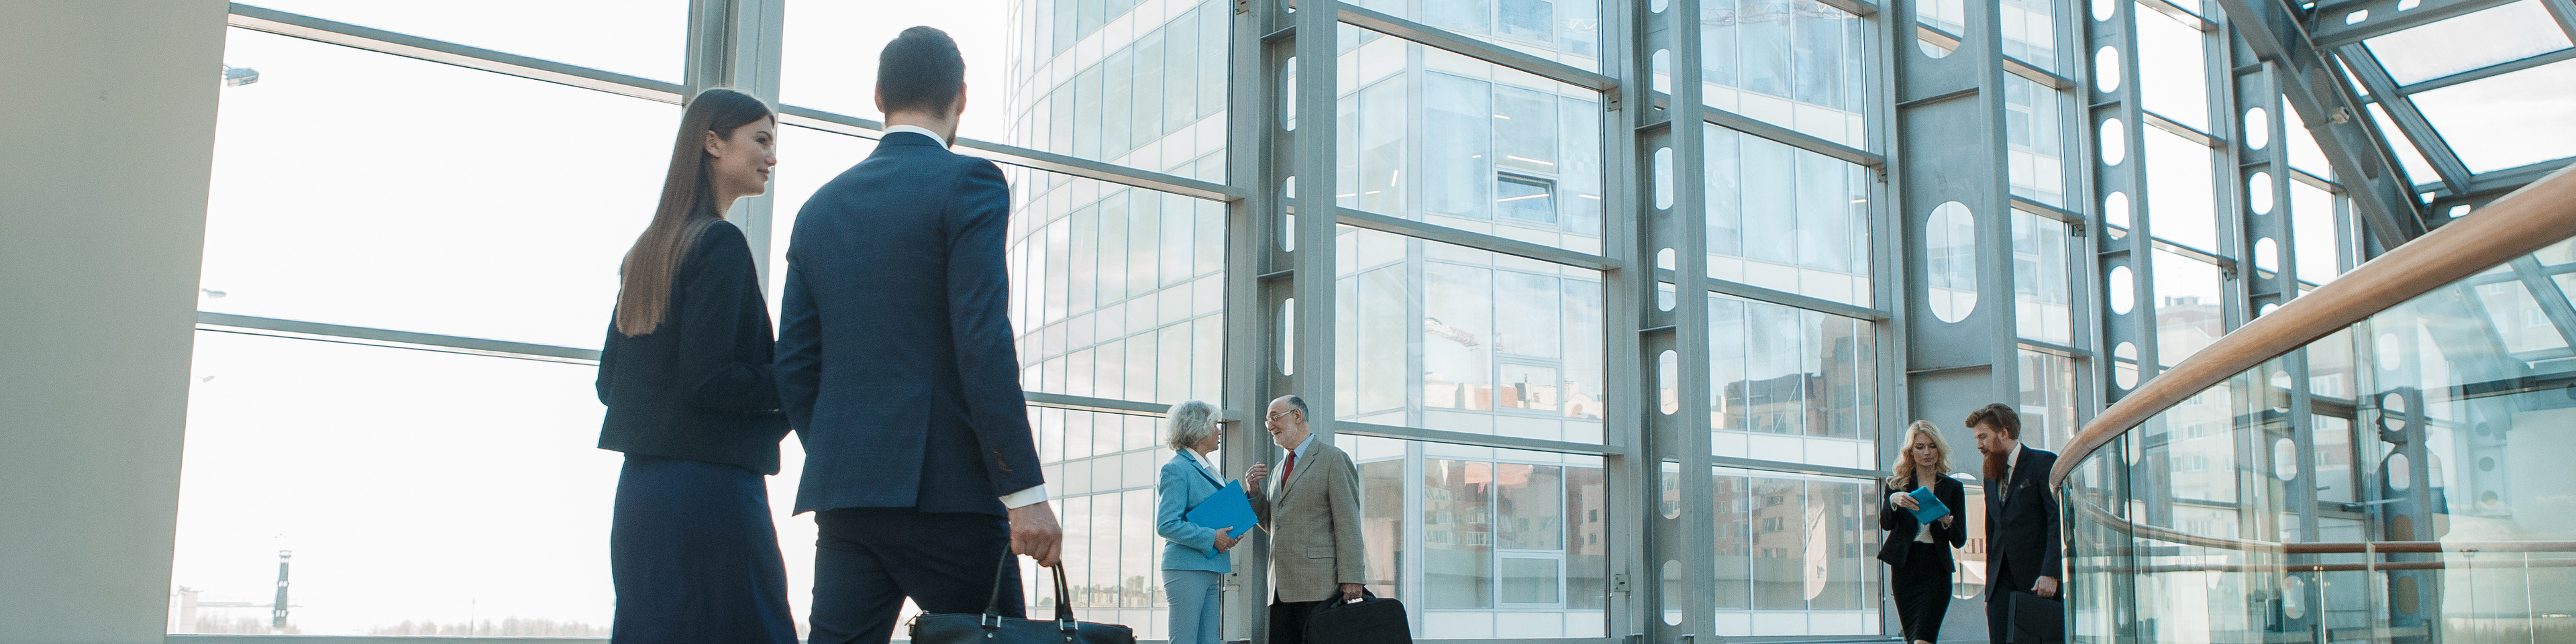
x: 1792, y: 554
x: 1484, y: 542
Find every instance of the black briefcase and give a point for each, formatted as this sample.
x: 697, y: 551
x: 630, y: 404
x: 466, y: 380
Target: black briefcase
x: 992, y: 628
x: 1371, y: 620
x: 2036, y: 619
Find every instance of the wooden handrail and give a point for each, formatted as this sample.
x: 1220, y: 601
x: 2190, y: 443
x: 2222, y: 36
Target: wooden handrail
x: 2531, y: 218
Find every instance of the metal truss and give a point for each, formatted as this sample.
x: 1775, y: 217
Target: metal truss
x: 2362, y: 161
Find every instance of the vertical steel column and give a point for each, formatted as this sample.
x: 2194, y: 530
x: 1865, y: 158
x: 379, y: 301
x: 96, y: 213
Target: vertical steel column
x: 1687, y: 224
x: 1951, y: 145
x: 2287, y: 409
x: 1256, y: 284
x: 2123, y: 259
x: 1628, y: 293
x: 2120, y: 191
x: 1673, y: 312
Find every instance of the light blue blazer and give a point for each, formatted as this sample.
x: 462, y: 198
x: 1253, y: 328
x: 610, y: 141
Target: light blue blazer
x: 1191, y: 546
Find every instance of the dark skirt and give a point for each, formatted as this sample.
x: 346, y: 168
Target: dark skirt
x: 1922, y: 589
x: 695, y: 557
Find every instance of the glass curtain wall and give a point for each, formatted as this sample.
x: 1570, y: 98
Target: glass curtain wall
x: 2415, y: 512
x: 1484, y: 267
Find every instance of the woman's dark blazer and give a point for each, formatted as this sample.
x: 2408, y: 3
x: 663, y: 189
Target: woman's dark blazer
x: 1900, y: 524
x: 700, y: 387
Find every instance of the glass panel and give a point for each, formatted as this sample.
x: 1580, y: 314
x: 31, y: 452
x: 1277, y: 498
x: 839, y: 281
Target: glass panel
x: 2189, y: 311
x: 2034, y: 128
x: 647, y: 38
x: 2453, y: 452
x: 2030, y: 32
x: 1446, y: 337
x: 2304, y: 153
x: 1510, y: 544
x: 1119, y: 290
x: 1466, y: 144
x: 2517, y: 318
x: 1787, y: 219
x: 2180, y: 197
x: 2330, y: 362
x: 2500, y: 35
x: 2173, y: 76
x: 2043, y: 256
x: 1146, y: 88
x: 291, y: 449
x: 2047, y: 398
x: 2407, y: 145
x: 1950, y: 261
x: 1798, y: 64
x: 1103, y: 489
x: 1791, y: 384
x: 1797, y: 548
x: 2335, y: 481
x: 370, y: 229
x: 2315, y: 248
x: 1565, y: 31
x: 2506, y: 121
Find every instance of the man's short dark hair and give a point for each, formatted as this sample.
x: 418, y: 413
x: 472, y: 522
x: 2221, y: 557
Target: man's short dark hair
x: 920, y: 71
x: 1298, y: 404
x: 1998, y: 415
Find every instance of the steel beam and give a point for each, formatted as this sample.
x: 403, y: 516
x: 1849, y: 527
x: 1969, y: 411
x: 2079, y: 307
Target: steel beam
x: 374, y: 337
x: 2401, y: 112
x: 2324, y: 100
x: 440, y: 51
x: 1480, y: 50
x: 2336, y: 24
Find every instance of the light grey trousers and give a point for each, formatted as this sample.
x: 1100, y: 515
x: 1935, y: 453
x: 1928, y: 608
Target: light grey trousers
x: 1196, y: 608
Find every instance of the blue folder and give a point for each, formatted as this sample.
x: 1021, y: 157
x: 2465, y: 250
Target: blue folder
x: 1928, y: 508
x: 1227, y: 508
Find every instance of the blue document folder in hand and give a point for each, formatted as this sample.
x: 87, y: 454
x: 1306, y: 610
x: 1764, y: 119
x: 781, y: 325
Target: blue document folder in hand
x: 1928, y: 508
x: 1227, y: 508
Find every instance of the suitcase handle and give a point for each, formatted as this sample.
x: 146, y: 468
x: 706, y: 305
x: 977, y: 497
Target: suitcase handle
x: 993, y: 608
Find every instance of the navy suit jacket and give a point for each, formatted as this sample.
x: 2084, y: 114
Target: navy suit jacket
x: 895, y: 360
x: 2021, y: 531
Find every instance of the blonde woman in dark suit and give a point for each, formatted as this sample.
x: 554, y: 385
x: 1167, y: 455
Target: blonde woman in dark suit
x: 1917, y: 553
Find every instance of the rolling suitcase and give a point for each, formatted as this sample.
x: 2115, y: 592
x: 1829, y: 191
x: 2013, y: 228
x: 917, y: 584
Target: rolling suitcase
x: 1371, y: 620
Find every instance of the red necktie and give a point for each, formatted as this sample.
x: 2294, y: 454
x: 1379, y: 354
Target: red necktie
x: 1284, y: 471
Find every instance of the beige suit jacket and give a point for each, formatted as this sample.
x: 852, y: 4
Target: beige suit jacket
x: 1314, y: 523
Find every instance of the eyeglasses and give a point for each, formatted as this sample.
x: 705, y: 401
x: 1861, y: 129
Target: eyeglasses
x: 1276, y: 414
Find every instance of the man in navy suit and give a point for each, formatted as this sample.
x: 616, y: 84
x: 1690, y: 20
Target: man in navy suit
x: 2022, y: 550
x: 896, y: 367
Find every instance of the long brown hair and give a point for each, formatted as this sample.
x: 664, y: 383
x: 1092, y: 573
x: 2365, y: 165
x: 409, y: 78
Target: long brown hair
x: 1905, y: 470
x: 688, y: 207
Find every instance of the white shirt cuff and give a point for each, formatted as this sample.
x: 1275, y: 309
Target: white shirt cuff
x: 1036, y: 494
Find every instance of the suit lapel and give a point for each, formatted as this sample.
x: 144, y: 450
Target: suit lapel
x: 1303, y: 466
x: 1201, y: 467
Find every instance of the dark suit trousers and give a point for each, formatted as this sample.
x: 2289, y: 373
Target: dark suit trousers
x: 867, y: 560
x: 1999, y: 604
x: 1288, y: 620
x: 1922, y: 590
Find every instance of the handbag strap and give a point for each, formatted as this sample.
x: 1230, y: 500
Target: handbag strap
x: 1001, y: 576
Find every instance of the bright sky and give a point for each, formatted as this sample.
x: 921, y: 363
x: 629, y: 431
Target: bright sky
x: 425, y: 486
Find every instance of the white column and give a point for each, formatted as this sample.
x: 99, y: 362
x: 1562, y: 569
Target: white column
x: 109, y: 136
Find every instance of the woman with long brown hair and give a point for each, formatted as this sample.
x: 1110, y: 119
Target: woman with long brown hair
x: 693, y: 402
x: 1918, y: 553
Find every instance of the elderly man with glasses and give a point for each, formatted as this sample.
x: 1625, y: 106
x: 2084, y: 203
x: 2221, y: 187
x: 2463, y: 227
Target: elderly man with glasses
x: 1313, y: 517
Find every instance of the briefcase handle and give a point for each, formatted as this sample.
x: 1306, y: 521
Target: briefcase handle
x: 1063, y: 603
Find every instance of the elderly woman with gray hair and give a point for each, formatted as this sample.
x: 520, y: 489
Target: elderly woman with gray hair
x: 1195, y: 562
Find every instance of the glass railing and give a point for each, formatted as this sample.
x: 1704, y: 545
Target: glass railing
x: 2410, y: 477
